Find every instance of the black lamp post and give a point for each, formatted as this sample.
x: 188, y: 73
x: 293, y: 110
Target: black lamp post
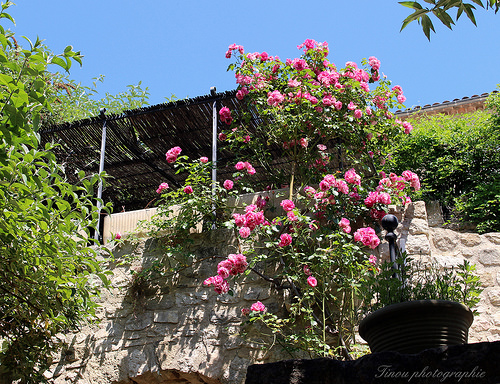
x: 390, y: 223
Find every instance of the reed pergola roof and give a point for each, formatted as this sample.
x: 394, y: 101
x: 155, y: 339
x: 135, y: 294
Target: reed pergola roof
x: 136, y: 143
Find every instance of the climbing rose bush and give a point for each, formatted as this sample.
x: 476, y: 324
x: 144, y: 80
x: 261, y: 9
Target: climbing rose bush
x: 321, y: 139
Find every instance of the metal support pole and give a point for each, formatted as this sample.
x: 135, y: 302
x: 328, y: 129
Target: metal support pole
x: 214, y: 153
x: 101, y: 169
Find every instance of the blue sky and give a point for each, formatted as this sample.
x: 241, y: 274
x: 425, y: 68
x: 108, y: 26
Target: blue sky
x: 178, y: 46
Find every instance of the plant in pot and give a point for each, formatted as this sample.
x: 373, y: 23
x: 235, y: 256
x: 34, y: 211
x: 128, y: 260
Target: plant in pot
x: 414, y: 305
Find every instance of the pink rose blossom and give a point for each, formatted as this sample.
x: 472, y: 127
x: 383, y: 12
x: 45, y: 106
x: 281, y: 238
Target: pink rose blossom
x: 241, y: 93
x: 352, y: 177
x: 245, y: 311
x: 367, y: 236
x: 240, y: 165
x: 244, y: 232
x: 222, y: 136
x: 371, y: 199
x: 285, y: 239
x: 258, y: 307
x: 239, y: 263
x: 172, y: 154
x: 384, y: 198
x: 118, y: 236
x: 311, y: 280
x: 275, y: 98
x: 287, y: 205
x: 204, y: 160
x: 372, y: 260
x: 291, y: 216
x: 294, y: 83
x: 228, y: 184
x: 188, y: 189
x: 225, y: 115
x: 345, y: 224
x: 307, y: 271
x: 374, y: 63
x: 358, y: 114
x: 162, y: 187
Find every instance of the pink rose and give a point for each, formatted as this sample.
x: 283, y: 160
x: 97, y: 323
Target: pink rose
x: 367, y: 236
x: 204, y: 160
x: 245, y: 311
x: 345, y: 224
x: 275, y: 98
x: 307, y: 271
x: 188, y: 189
x: 285, y: 239
x: 244, y: 232
x: 239, y: 263
x: 287, y: 205
x: 228, y: 184
x: 162, y: 187
x: 225, y: 115
x: 384, y: 198
x: 352, y: 177
x: 258, y: 307
x: 172, y: 154
x: 311, y: 280
x: 240, y: 165
x: 118, y: 236
x: 222, y: 136
x: 371, y: 199
x: 372, y: 260
x: 291, y: 216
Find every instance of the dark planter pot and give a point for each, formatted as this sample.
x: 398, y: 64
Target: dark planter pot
x: 413, y: 326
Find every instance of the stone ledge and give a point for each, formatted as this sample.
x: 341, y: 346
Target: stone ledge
x: 477, y: 363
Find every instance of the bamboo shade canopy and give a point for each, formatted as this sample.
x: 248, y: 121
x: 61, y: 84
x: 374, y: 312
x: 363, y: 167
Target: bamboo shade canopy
x: 136, y: 144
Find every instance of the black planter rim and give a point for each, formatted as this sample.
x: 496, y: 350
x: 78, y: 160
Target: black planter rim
x: 385, y: 314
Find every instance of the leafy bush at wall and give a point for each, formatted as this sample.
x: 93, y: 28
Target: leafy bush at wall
x: 458, y: 160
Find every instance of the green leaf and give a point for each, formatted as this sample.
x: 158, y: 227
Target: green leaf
x: 427, y: 26
x: 414, y: 16
x: 411, y: 4
x: 444, y: 17
x: 470, y: 14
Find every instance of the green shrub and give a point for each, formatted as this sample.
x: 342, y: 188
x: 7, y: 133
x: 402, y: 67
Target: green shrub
x: 458, y: 160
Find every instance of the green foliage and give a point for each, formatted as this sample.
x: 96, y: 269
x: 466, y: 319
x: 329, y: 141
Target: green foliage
x: 458, y: 161
x: 441, y: 9
x: 412, y: 280
x: 47, y: 268
x: 180, y: 212
x: 77, y: 101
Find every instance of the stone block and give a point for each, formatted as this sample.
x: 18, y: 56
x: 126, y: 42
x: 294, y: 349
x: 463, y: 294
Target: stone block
x: 419, y: 210
x: 190, y: 298
x: 434, y: 214
x: 139, y: 322
x: 166, y: 316
x: 493, y: 237
x: 257, y: 293
x: 418, y: 227
x: 489, y: 256
x: 444, y: 240
x: 470, y: 239
x: 494, y: 296
x: 418, y: 245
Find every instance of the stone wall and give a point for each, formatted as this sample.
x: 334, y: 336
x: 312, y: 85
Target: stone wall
x: 177, y: 331
x: 422, y: 230
x: 167, y: 330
